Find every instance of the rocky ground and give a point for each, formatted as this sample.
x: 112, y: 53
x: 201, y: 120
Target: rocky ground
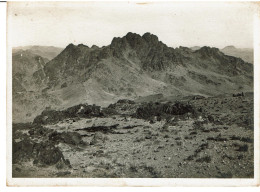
x: 196, y: 137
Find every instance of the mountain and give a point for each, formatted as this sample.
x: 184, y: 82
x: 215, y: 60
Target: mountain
x: 48, y: 52
x: 195, y: 48
x: 246, y: 54
x: 130, y: 67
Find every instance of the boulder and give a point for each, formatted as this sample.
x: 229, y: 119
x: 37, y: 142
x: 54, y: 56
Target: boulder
x: 44, y: 153
x: 22, y: 151
x: 48, y: 154
x: 72, y: 138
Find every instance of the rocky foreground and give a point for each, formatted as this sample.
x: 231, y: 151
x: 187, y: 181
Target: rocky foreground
x: 195, y: 137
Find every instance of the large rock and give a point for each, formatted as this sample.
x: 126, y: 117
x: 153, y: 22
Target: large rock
x: 48, y: 154
x: 44, y: 153
x: 82, y: 110
x: 22, y: 151
x: 66, y: 137
x: 151, y: 109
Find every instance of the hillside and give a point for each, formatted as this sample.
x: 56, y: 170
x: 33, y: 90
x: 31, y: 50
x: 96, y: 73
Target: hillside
x: 130, y: 67
x: 26, y: 99
x: 25, y: 64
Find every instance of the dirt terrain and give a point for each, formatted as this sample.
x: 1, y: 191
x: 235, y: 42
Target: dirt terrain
x: 196, y: 137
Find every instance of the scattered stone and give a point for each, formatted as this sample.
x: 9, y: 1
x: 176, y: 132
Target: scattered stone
x: 62, y: 174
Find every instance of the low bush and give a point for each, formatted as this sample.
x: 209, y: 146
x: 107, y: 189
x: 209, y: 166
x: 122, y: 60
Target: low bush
x: 206, y: 159
x: 148, y: 110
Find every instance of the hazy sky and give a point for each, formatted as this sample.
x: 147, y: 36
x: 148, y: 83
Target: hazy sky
x: 176, y: 24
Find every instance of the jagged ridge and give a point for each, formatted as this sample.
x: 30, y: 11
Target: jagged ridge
x: 135, y: 65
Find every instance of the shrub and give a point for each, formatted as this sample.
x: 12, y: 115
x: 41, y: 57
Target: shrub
x: 243, y: 148
x: 154, y: 173
x: 125, y: 101
x: 148, y: 110
x: 206, y: 159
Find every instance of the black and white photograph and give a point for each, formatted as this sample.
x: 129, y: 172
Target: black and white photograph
x: 132, y: 90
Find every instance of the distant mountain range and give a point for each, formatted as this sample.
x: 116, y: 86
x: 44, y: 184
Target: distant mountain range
x: 48, y: 52
x: 130, y: 67
x: 246, y: 54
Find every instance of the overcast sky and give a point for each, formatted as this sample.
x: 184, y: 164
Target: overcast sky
x: 176, y: 24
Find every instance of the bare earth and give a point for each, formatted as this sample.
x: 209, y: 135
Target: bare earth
x: 216, y: 145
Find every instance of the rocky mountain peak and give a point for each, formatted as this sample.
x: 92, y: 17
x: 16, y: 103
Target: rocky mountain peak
x: 132, y: 36
x: 186, y: 49
x: 135, y: 40
x: 82, y: 45
x: 71, y: 45
x: 209, y: 51
x: 150, y: 38
x: 94, y: 47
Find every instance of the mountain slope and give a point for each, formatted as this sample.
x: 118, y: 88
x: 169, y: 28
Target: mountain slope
x: 26, y: 99
x: 134, y: 66
x: 24, y: 64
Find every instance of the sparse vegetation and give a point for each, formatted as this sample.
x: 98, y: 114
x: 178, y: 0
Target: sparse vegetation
x: 114, y: 142
x: 149, y: 110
